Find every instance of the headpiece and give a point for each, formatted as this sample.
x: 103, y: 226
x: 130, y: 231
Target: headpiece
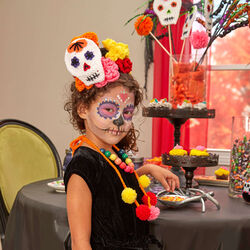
x: 84, y: 60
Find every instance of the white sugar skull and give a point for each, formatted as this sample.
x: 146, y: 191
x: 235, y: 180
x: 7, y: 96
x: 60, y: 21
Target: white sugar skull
x: 189, y: 22
x: 246, y: 187
x: 167, y: 11
x: 208, y: 11
x: 83, y: 60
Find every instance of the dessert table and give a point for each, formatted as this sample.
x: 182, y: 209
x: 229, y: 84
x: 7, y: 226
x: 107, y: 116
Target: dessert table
x: 38, y: 221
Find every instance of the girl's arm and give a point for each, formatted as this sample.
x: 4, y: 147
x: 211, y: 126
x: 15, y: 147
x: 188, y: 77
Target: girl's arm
x: 168, y: 180
x: 79, y: 204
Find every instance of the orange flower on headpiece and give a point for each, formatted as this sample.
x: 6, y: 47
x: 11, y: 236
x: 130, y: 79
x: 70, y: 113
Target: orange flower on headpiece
x: 143, y: 25
x: 80, y: 86
x: 77, y: 46
x: 89, y: 35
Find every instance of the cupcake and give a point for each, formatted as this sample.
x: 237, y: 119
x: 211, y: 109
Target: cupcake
x: 178, y: 150
x: 222, y: 173
x: 199, y: 151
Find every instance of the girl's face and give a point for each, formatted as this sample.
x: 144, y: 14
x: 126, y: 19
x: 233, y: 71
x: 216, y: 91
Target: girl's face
x: 109, y: 117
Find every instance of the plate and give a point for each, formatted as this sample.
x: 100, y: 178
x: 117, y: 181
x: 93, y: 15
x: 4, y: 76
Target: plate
x: 172, y: 200
x: 57, y: 185
x: 211, y: 181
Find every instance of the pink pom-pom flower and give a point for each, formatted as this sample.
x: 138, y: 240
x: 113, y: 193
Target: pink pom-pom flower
x: 154, y: 213
x: 201, y: 148
x: 199, y: 39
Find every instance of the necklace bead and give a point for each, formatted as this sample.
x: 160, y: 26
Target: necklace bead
x: 118, y: 161
x: 107, y: 153
x: 112, y: 157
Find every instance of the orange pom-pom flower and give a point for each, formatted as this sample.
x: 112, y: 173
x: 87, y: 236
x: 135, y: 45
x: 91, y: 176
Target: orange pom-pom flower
x: 143, y: 25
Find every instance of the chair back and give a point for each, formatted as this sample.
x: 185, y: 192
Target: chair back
x: 26, y: 155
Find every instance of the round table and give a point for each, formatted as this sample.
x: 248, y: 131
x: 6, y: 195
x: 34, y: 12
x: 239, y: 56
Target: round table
x: 38, y: 221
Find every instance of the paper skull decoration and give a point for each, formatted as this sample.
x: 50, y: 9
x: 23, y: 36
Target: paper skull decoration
x: 246, y: 191
x: 167, y: 11
x: 189, y: 22
x: 83, y: 60
x: 208, y: 11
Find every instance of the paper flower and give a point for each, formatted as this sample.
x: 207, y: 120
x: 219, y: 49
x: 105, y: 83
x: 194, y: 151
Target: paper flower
x: 115, y: 50
x: 143, y: 25
x: 125, y: 65
x: 199, y: 39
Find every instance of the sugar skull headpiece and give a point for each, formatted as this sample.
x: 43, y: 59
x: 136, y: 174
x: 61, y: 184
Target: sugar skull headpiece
x: 84, y: 60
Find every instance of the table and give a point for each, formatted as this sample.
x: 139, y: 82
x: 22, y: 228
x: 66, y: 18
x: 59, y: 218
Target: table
x: 38, y: 221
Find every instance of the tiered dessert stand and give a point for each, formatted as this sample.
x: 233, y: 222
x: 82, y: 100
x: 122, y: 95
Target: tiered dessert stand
x: 178, y: 117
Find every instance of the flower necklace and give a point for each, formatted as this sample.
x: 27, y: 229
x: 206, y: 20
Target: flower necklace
x: 145, y: 211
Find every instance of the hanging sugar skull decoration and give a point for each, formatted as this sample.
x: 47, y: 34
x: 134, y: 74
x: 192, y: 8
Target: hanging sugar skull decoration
x: 189, y: 22
x: 246, y: 191
x: 208, y: 11
x: 167, y: 11
x: 83, y: 60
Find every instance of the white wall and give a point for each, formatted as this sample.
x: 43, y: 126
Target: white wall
x: 34, y: 79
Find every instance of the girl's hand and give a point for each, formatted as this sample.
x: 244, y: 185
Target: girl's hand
x: 168, y: 180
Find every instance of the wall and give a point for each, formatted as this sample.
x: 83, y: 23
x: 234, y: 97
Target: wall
x: 34, y: 79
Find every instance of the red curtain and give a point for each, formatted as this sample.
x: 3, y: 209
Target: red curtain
x: 163, y: 130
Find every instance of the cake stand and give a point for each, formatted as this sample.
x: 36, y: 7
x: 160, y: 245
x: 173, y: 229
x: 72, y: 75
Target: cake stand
x: 178, y: 117
x: 190, y: 163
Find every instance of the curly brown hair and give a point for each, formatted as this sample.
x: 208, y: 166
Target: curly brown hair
x: 86, y: 97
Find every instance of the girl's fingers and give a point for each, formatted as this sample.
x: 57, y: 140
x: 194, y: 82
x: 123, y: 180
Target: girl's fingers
x: 165, y: 185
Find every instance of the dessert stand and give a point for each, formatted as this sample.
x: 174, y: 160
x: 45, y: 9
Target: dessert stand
x: 178, y: 117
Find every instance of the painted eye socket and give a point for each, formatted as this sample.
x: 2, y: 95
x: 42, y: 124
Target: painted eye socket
x: 160, y: 8
x: 75, y: 62
x: 128, y: 112
x: 89, y: 55
x: 108, y: 109
x: 173, y: 4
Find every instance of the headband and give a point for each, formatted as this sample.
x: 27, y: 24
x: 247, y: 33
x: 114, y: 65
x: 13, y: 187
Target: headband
x: 84, y: 60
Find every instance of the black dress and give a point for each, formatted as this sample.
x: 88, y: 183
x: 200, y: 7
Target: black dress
x: 114, y: 223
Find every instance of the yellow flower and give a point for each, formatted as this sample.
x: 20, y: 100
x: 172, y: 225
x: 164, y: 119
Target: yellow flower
x: 115, y: 50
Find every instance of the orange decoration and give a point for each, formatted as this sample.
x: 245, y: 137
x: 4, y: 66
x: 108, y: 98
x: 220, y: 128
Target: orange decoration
x: 77, y: 46
x: 143, y: 25
x: 89, y: 35
x: 187, y: 84
x: 80, y: 86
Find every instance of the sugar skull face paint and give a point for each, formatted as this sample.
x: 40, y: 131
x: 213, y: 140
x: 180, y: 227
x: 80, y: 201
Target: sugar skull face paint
x: 83, y: 60
x: 167, y: 10
x: 189, y: 22
x: 108, y: 118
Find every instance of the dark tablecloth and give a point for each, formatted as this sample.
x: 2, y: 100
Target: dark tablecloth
x: 38, y: 221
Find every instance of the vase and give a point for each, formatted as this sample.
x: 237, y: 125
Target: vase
x: 240, y: 155
x: 187, y: 81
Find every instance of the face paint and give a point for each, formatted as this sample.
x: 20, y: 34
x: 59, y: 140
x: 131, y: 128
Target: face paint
x: 123, y: 97
x: 167, y: 11
x: 189, y: 22
x: 108, y: 118
x: 108, y: 109
x: 83, y: 60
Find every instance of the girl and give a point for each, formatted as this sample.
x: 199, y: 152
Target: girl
x: 106, y: 202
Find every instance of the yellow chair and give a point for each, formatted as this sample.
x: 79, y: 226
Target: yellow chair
x: 26, y: 155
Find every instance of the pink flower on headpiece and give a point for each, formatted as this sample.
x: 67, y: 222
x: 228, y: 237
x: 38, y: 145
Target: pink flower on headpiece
x: 110, y: 70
